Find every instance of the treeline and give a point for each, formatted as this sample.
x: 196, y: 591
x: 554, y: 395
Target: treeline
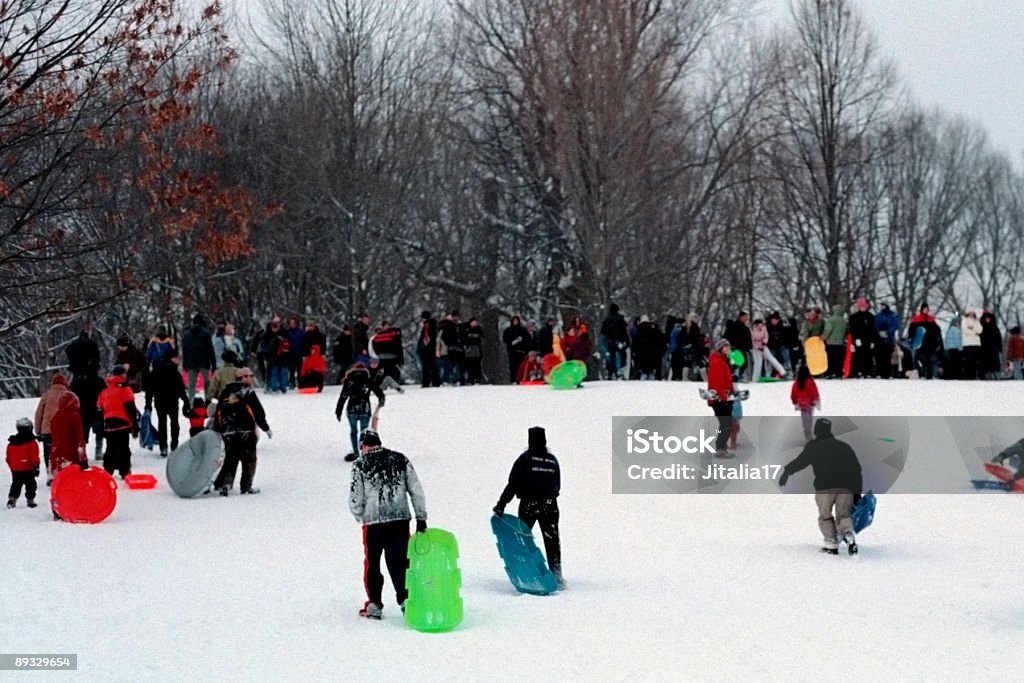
x: 499, y: 156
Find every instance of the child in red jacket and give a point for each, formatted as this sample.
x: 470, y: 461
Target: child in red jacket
x: 805, y: 398
x: 23, y: 459
x: 197, y: 416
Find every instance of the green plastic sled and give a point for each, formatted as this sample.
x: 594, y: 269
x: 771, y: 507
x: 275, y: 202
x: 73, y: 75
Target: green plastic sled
x: 567, y: 375
x: 433, y: 580
x: 738, y: 358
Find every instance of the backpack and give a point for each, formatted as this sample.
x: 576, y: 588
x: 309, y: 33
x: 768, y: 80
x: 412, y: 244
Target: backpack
x: 234, y: 416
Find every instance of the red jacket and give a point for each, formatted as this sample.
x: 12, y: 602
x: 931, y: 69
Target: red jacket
x: 719, y: 376
x: 806, y: 397
x: 117, y: 405
x: 66, y: 431
x: 23, y: 457
x: 529, y: 367
x: 198, y: 418
x: 314, y: 362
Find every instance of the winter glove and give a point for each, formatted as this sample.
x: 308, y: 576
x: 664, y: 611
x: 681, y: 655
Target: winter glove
x: 35, y: 471
x: 856, y: 499
x: 421, y: 525
x: 270, y: 434
x: 499, y: 510
x: 135, y: 429
x: 784, y: 478
x: 186, y: 412
x: 84, y: 464
x: 381, y: 404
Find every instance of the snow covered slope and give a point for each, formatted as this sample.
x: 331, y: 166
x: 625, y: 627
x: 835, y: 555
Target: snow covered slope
x: 660, y: 587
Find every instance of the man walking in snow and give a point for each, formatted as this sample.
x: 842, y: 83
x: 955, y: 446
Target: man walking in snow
x: 383, y: 481
x: 837, y: 484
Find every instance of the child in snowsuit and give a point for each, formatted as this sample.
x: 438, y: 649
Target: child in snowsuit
x: 313, y: 371
x: 805, y: 398
x: 237, y: 415
x: 530, y: 370
x: 536, y: 479
x: 23, y: 460
x: 356, y: 388
x: 68, y: 437
x: 120, y: 416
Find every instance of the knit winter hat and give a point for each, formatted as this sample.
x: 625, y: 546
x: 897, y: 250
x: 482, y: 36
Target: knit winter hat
x: 118, y: 370
x: 369, y: 438
x: 124, y: 341
x: 721, y: 344
x: 23, y: 423
x: 537, y: 438
x: 823, y: 427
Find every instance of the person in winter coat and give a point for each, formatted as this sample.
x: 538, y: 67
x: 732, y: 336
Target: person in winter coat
x: 159, y: 344
x: 342, y: 353
x: 197, y: 416
x: 991, y: 347
x: 387, y: 346
x: 834, y: 333
x: 813, y: 325
x: 45, y: 410
x: 737, y: 333
x: 166, y: 388
x: 426, y: 350
x: 87, y: 388
x: 313, y: 337
x: 762, y: 354
x: 779, y: 334
x: 355, y: 390
x: 296, y: 344
x: 68, y: 439
x: 805, y: 398
x: 517, y: 345
x: 927, y: 356
x: 80, y: 352
x: 887, y: 334
x: 954, y: 343
x: 531, y: 369
x: 227, y: 341
x: 536, y: 480
x: 970, y: 329
x: 615, y: 340
x: 197, y: 356
x: 236, y: 415
x: 276, y: 348
x: 116, y: 408
x: 227, y: 374
x: 473, y: 336
x: 314, y: 370
x: 692, y: 344
x: 383, y: 483
x: 720, y: 382
x: 546, y: 338
x: 1015, y: 352
x: 23, y: 461
x: 864, y: 335
x: 134, y: 362
x: 837, y: 484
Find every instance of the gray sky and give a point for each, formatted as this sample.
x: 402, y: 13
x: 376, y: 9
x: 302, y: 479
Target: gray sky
x: 965, y: 57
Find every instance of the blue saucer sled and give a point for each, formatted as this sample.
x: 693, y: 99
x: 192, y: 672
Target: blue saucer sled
x: 525, y: 565
x: 863, y: 513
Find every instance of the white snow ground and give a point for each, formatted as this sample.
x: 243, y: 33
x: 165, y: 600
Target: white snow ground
x: 671, y: 587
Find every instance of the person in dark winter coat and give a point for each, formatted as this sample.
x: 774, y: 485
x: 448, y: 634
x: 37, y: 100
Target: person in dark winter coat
x: 779, y: 337
x: 198, y: 356
x: 342, y: 353
x: 546, y: 338
x: 87, y: 387
x: 356, y: 387
x: 313, y: 337
x: 426, y: 350
x: 387, y: 346
x: 927, y: 357
x: 615, y: 340
x: 991, y: 347
x: 837, y: 327
x: 887, y: 332
x: 383, y: 483
x: 237, y: 414
x: 863, y: 333
x: 277, y: 350
x: 296, y: 345
x: 720, y: 382
x: 23, y: 461
x: 134, y: 362
x: 361, y: 336
x: 473, y: 336
x: 737, y: 333
x: 517, y: 345
x: 45, y: 410
x: 166, y: 388
x: 159, y: 344
x: 80, y: 352
x: 536, y: 480
x: 116, y: 407
x: 68, y: 440
x: 314, y: 370
x: 837, y: 484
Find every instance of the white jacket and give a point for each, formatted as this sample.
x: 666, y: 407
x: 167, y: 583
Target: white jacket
x: 383, y: 481
x: 971, y: 328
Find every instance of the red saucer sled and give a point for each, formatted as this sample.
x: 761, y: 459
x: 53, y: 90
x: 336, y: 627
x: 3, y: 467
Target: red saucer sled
x: 140, y: 481
x: 83, y: 496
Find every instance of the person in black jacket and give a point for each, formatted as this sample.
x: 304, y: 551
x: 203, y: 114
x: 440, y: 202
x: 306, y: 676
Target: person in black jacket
x: 356, y: 387
x: 165, y: 388
x: 536, y: 479
x: 864, y: 334
x: 615, y: 339
x: 343, y: 350
x: 473, y: 336
x: 237, y: 414
x: 198, y: 356
x: 740, y: 339
x: 81, y: 351
x: 88, y: 386
x: 426, y: 350
x: 837, y: 484
x: 546, y: 338
x: 517, y: 344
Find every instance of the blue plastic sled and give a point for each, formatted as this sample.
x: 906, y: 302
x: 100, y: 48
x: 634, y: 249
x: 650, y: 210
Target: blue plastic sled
x: 989, y: 484
x: 147, y: 432
x: 433, y: 579
x: 863, y: 513
x: 524, y: 563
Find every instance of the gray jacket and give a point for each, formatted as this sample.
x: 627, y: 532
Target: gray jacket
x: 383, y: 481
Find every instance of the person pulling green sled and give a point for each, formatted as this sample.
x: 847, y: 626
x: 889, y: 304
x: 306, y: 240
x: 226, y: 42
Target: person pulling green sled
x: 536, y: 480
x: 383, y: 483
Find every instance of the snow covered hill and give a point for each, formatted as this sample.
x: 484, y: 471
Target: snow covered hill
x: 669, y: 587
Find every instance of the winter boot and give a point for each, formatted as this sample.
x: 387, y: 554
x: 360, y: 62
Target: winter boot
x: 560, y: 579
x: 11, y: 502
x: 851, y: 542
x: 371, y: 610
x: 32, y: 502
x: 831, y: 546
x: 350, y: 457
x: 250, y: 490
x: 224, y: 491
x: 163, y: 452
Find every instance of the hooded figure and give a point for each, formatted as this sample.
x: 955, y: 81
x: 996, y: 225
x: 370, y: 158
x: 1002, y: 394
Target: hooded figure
x: 314, y: 369
x: 45, y: 410
x: 23, y: 461
x: 536, y: 480
x: 68, y: 439
x: 837, y: 484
